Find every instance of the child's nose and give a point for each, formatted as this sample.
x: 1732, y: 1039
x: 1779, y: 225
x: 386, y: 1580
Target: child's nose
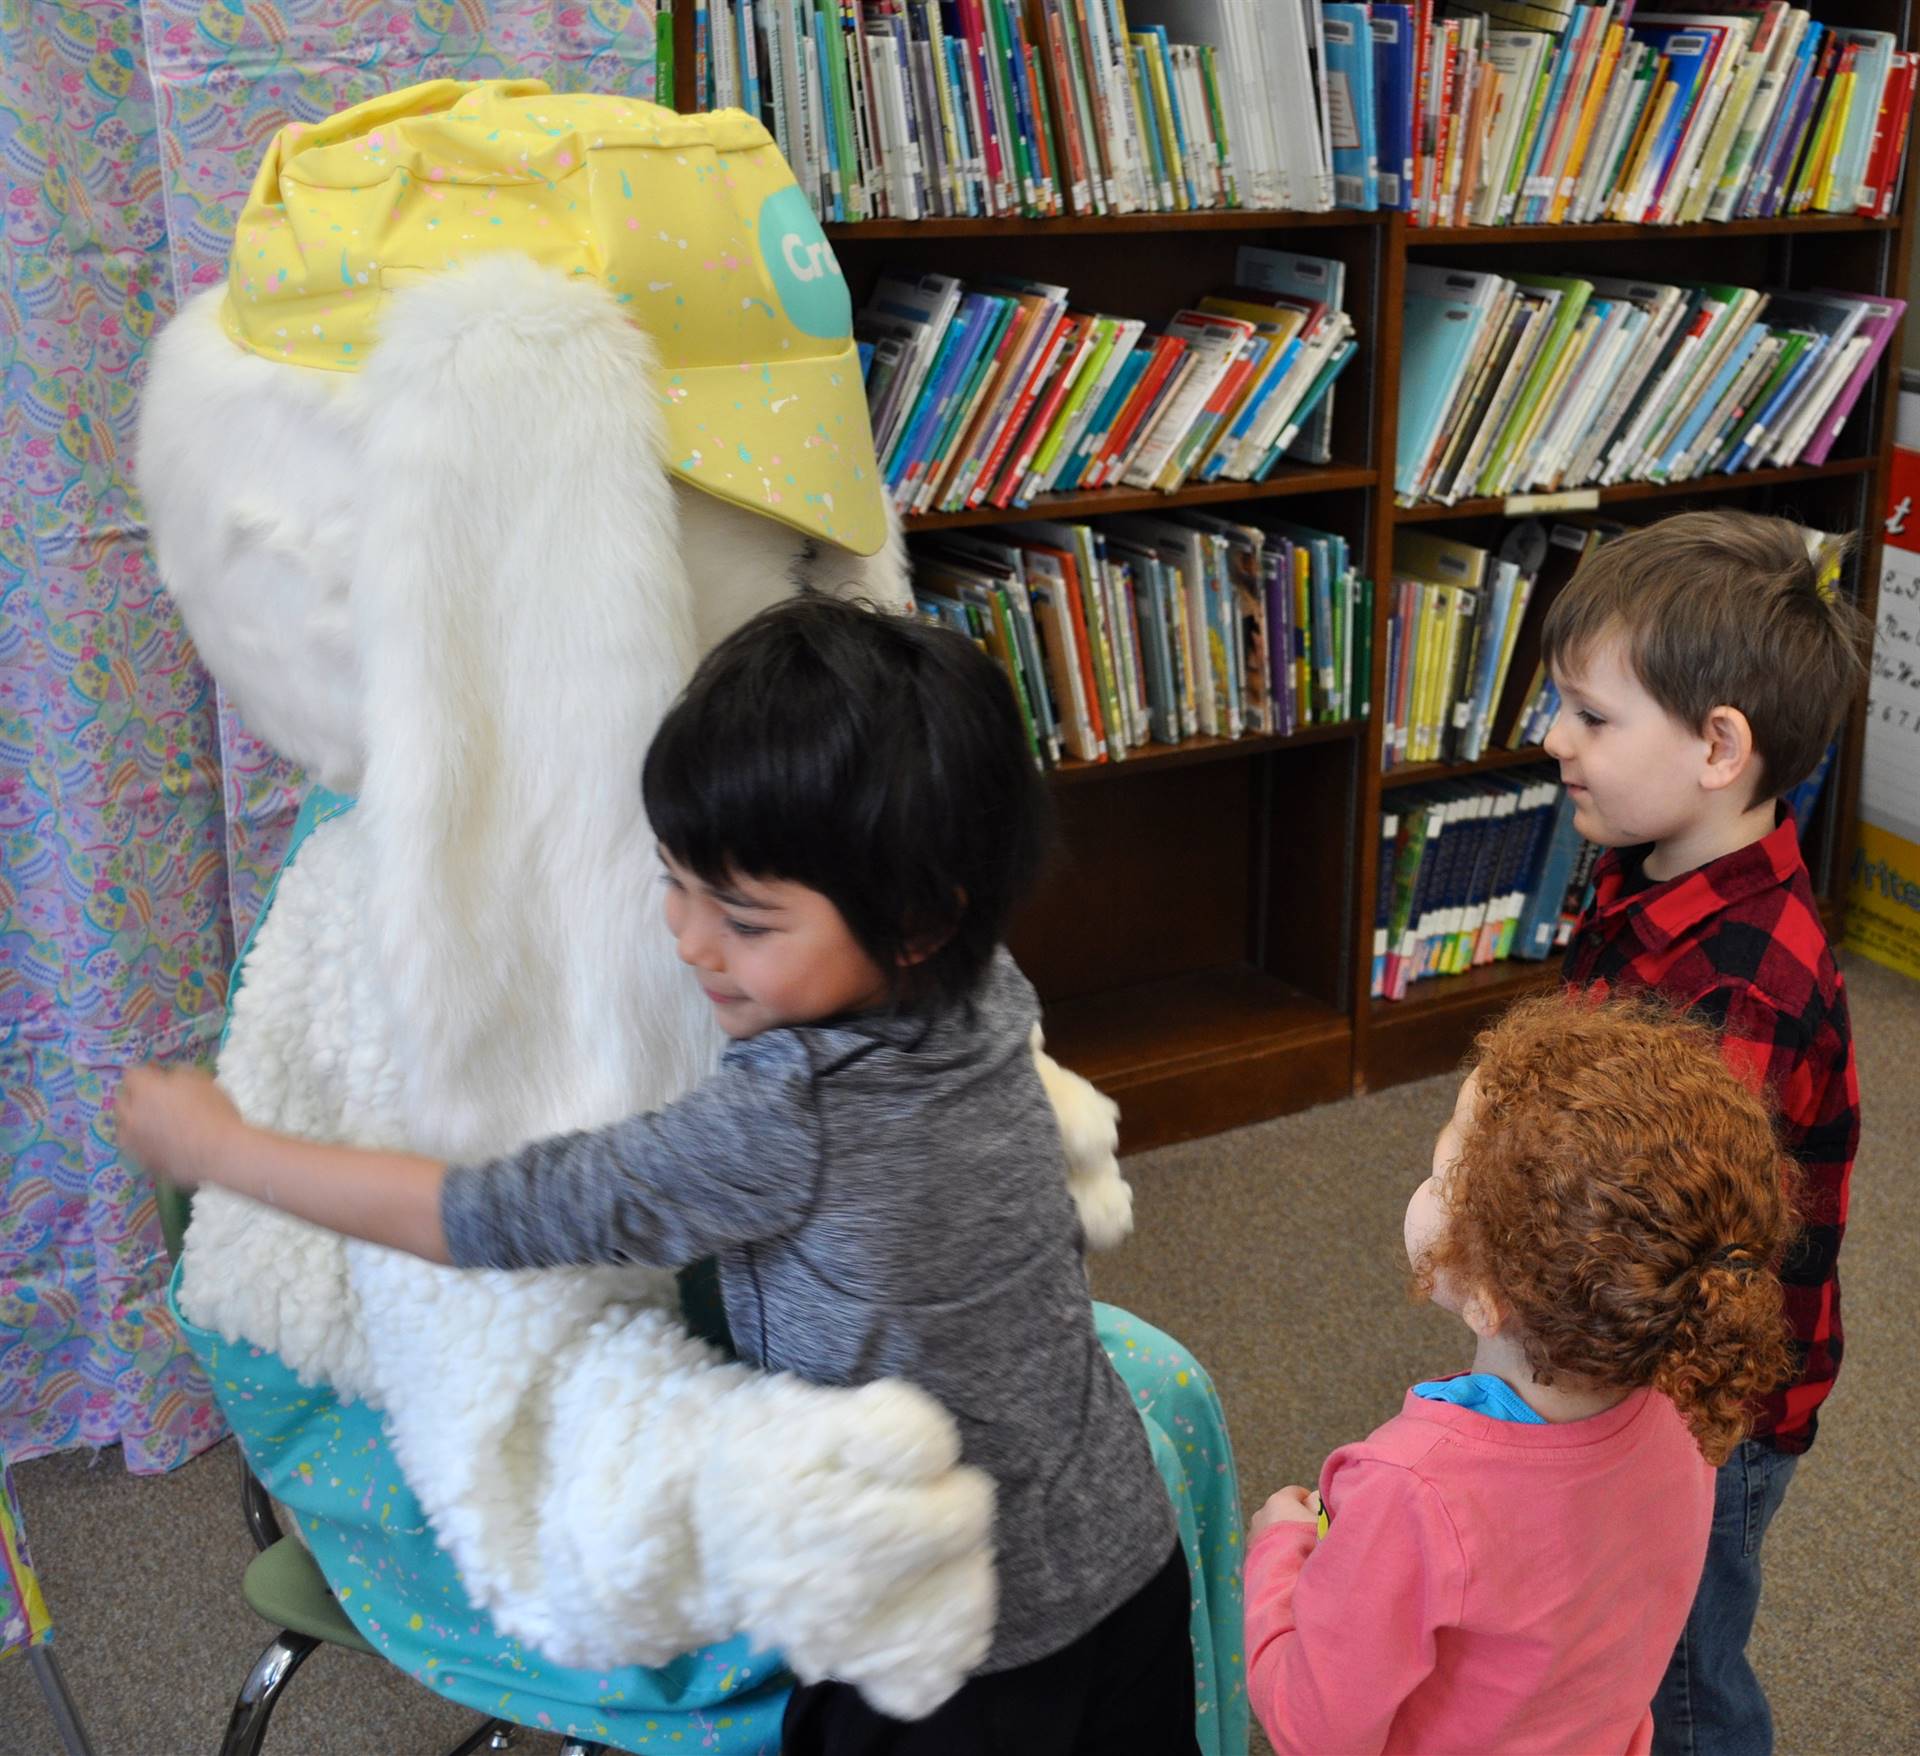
x: 1555, y: 742
x: 698, y: 946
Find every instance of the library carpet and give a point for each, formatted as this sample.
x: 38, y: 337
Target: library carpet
x: 1274, y: 1253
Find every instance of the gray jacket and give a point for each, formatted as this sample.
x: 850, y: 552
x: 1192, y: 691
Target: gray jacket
x: 886, y: 1197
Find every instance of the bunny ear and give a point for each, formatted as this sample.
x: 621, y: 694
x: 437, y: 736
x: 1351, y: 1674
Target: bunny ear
x: 522, y: 620
x: 245, y: 468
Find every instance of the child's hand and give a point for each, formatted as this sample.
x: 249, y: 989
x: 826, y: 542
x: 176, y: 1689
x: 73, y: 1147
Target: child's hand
x: 1289, y: 1506
x: 173, y: 1121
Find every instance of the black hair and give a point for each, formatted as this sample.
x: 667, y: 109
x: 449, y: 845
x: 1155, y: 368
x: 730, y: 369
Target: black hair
x: 879, y: 760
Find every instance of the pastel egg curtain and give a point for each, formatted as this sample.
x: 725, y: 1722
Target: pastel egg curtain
x: 139, y: 824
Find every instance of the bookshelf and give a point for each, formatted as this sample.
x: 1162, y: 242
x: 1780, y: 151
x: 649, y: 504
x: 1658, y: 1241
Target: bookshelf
x: 1627, y: 492
x: 1292, y: 480
x: 1202, y: 946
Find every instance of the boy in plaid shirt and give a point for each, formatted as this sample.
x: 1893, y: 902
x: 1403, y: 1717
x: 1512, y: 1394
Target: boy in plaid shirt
x: 1704, y: 665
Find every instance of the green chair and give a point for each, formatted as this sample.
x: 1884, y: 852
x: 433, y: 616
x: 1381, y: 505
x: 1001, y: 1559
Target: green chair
x: 285, y: 1588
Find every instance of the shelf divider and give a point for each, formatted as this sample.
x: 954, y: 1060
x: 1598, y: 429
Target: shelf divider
x: 1287, y: 481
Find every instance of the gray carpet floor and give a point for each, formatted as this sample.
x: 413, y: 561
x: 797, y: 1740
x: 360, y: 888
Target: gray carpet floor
x: 1273, y: 1253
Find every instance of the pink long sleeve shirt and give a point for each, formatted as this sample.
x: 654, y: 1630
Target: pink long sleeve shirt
x: 1484, y: 1587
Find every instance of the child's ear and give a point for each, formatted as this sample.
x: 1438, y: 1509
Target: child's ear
x: 1729, y: 748
x: 925, y: 943
x: 1483, y: 1312
x: 920, y: 949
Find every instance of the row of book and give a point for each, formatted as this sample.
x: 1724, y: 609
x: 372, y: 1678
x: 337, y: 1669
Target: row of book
x: 1453, y: 626
x: 907, y: 109
x: 1732, y: 111
x: 1478, y: 871
x: 1562, y: 548
x: 1153, y: 630
x: 1537, y: 712
x: 1475, y: 872
x: 1502, y: 112
x: 992, y: 392
x: 1463, y: 621
x: 1539, y: 382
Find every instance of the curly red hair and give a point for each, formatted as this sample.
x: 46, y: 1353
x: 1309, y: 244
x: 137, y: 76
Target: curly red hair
x: 1624, y: 1195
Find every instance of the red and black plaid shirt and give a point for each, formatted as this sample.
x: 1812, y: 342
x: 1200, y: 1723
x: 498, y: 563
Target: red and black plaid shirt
x: 1740, y: 943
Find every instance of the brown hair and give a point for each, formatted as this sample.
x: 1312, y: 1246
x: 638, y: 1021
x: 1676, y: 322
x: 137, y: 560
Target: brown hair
x: 1728, y: 609
x: 1623, y: 1195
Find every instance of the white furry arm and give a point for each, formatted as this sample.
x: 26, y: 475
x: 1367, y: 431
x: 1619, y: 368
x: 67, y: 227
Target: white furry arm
x: 307, y: 1056
x: 1090, y: 1132
x: 680, y: 1500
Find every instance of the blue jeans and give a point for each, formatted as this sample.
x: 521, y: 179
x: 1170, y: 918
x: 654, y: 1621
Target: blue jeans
x: 1710, y: 1703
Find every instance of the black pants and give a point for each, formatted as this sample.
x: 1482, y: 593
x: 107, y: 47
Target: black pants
x: 1123, y: 1689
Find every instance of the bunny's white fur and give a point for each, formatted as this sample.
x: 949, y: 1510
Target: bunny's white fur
x: 460, y: 584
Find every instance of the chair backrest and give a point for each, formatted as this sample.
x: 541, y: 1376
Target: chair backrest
x: 174, y: 1206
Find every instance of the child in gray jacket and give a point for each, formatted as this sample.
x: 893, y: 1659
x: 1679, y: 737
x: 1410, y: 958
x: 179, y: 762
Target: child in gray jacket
x: 847, y: 815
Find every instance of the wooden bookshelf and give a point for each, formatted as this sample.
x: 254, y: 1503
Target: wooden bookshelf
x: 1071, y: 772
x: 1203, y: 942
x: 1416, y: 773
x: 1094, y: 225
x: 1620, y: 231
x: 1429, y: 1030
x: 1229, y: 1042
x: 1288, y: 481
x: 1629, y: 493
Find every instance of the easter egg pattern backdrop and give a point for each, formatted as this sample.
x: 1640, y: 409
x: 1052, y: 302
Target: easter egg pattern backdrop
x: 139, y: 823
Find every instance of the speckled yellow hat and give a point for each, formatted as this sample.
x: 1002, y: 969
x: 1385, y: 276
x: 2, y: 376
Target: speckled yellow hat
x: 694, y: 223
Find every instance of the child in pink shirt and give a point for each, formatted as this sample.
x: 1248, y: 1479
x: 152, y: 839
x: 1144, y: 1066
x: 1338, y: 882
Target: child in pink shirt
x: 1506, y: 1564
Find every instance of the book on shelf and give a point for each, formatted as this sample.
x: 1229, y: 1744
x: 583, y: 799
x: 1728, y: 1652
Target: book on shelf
x: 1485, y: 112
x: 1148, y: 630
x: 1455, y: 616
x: 1392, y: 29
x: 1538, y: 710
x: 1562, y: 549
x: 1316, y: 284
x: 1739, y: 109
x: 663, y: 67
x: 1879, y: 318
x: 995, y: 392
x: 1554, y: 552
x: 1350, y: 107
x: 1528, y: 383
x: 911, y: 109
x: 1471, y: 873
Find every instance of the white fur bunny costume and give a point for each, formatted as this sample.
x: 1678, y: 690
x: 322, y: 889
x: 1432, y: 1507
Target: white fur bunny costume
x: 459, y: 583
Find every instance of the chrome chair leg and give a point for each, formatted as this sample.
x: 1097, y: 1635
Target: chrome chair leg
x: 260, y: 1693
x: 490, y: 1734
x: 574, y: 1747
x: 257, y: 1504
x: 66, y: 1717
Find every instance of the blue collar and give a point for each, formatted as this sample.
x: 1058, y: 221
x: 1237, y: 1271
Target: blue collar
x: 1484, y: 1394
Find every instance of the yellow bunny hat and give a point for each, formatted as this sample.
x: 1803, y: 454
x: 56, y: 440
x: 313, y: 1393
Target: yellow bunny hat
x: 694, y: 224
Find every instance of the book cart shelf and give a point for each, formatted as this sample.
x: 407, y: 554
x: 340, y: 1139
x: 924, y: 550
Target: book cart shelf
x: 1203, y: 944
